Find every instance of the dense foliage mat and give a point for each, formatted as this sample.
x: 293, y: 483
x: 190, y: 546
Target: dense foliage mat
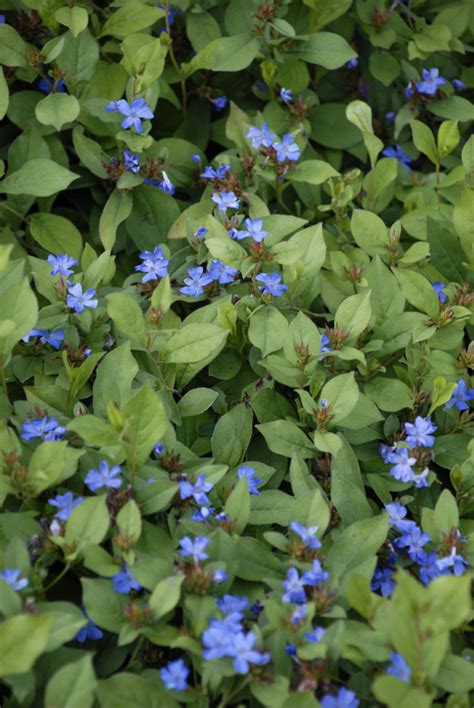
x: 236, y: 260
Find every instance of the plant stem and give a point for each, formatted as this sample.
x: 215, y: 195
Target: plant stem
x: 58, y: 577
x: 179, y: 71
x: 13, y: 211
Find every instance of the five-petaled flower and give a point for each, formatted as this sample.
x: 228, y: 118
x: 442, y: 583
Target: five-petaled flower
x: 253, y: 229
x: 124, y: 581
x: 12, y: 577
x: 286, y: 148
x: 271, y: 284
x: 78, y: 300
x: 105, y: 476
x: 62, y: 264
x: 461, y: 396
x: 195, y: 548
x: 196, y: 282
x: 134, y: 112
x: 66, y: 505
x: 225, y: 200
x: 175, y: 675
x: 431, y: 82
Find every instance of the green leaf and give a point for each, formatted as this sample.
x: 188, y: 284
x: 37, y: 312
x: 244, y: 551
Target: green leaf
x: 108, y: 387
x: 268, y: 330
x: 446, y: 252
x: 231, y: 435
x: 13, y: 50
x: 418, y: 291
x: 356, y: 545
x: 389, y: 394
x: 271, y: 507
x: 194, y: 342
x: 117, y: 209
x: 424, y: 140
x: 285, y: 438
x: 145, y: 423
x: 19, y: 310
x: 226, y: 54
x: 74, y: 18
x: 72, y: 686
x: 312, y: 172
x: 56, y: 234
x: 326, y: 12
x: 360, y: 114
x: 40, y: 178
x: 165, y: 596
x: 23, y: 639
x: 57, y: 109
x: 237, y: 505
x: 455, y: 675
x: 4, y: 95
x: 89, y: 152
x: 353, y: 315
x: 103, y: 605
x: 127, y: 317
x: 196, y: 401
x: 88, y: 524
x: 133, y: 17
x: 342, y: 394
x: 129, y: 521
x: 448, y: 137
x: 398, y: 694
x: 347, y: 489
x: 370, y: 232
x: 453, y: 108
x: 324, y: 48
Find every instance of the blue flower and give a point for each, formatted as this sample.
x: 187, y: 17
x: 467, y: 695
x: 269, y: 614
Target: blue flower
x: 134, y: 113
x: 62, y: 264
x: 402, y: 469
x: 271, y: 284
x: 202, y: 514
x: 325, y: 342
x: 244, y: 654
x: 352, y: 63
x: 454, y: 561
x: 12, y: 578
x: 154, y: 265
x: 390, y: 116
x: 200, y: 232
x: 234, y: 605
x: 225, y: 200
x: 198, y: 490
x: 293, y: 587
x: 344, y: 699
x: 410, y: 90
x: 414, y: 540
x: 103, y: 477
x: 431, y: 82
x: 125, y: 581
x: 398, y: 668
x: 194, y: 548
x: 34, y: 333
x: 399, y: 154
x: 78, y: 300
x: 428, y: 566
x: 286, y: 95
x: 2, y: 19
x: 396, y: 512
x: 458, y: 85
x: 220, y: 576
x: 90, y: 631
x: 461, y: 396
x: 438, y: 288
x: 219, y: 103
x: 195, y: 284
x: 420, y: 480
x: 315, y: 635
x: 253, y: 482
x: 261, y: 136
x: 290, y: 649
x: 54, y: 339
x: 217, y: 641
x: 47, y: 85
x: 307, y: 535
x: 221, y: 272
x: 159, y: 449
x: 131, y: 162
x: 45, y: 428
x: 196, y: 158
x: 218, y: 173
x: 254, y: 230
x: 419, y: 432
x: 166, y: 185
x: 299, y: 615
x: 383, y: 581
x: 175, y: 675
x: 66, y: 505
x: 286, y: 148
x: 315, y: 576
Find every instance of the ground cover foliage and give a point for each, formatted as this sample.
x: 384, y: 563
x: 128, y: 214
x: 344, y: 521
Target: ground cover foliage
x: 236, y: 259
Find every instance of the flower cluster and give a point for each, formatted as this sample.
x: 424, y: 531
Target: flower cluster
x: 412, y: 541
x: 412, y: 453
